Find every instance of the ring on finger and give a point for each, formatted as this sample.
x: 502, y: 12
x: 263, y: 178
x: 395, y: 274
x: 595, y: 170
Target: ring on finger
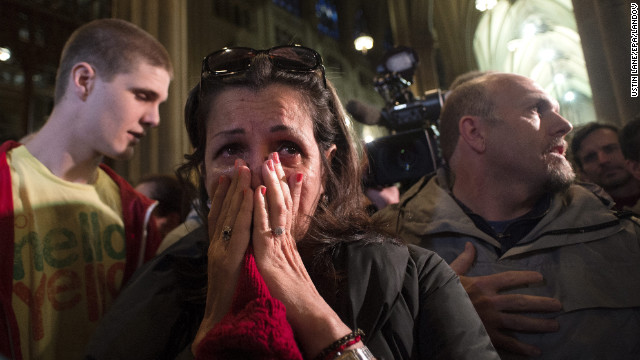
x: 226, y: 233
x: 278, y: 231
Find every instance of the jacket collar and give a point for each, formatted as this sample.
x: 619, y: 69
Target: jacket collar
x: 576, y: 215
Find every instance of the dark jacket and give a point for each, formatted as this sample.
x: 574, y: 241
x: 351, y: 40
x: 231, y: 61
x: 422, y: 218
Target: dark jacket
x: 588, y: 255
x: 408, y: 302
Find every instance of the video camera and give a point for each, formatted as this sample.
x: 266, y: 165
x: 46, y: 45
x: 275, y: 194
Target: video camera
x: 411, y: 151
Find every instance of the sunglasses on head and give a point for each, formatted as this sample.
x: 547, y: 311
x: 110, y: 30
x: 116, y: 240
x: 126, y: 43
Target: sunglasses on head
x: 235, y: 60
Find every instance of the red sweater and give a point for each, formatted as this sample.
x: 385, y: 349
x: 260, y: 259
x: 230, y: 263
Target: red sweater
x: 255, y: 328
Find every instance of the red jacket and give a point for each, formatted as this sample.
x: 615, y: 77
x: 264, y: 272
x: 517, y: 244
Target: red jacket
x: 142, y: 236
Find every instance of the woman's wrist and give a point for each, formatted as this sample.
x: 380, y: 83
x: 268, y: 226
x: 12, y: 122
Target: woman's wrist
x: 317, y: 329
x: 348, y: 342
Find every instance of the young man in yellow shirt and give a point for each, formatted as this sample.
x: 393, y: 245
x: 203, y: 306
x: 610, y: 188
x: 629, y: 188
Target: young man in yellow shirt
x: 71, y: 230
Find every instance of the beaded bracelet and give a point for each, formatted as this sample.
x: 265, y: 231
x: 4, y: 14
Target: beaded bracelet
x: 339, y: 345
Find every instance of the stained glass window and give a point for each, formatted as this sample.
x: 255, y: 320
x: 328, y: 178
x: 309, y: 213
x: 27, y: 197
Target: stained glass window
x: 292, y: 6
x: 327, y: 14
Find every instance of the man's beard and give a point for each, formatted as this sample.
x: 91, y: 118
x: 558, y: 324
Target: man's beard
x: 560, y: 174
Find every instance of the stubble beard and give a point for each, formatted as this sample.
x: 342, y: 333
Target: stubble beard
x: 560, y: 174
x: 610, y: 184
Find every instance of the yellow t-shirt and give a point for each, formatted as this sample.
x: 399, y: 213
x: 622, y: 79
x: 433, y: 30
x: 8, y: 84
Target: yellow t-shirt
x: 69, y: 257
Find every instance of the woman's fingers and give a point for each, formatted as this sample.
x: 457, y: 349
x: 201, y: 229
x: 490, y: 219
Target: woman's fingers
x: 295, y: 184
x: 226, y: 199
x: 241, y: 229
x: 282, y: 177
x: 230, y: 236
x: 226, y: 253
x: 236, y: 223
x: 261, y: 227
x: 215, y: 207
x: 278, y: 198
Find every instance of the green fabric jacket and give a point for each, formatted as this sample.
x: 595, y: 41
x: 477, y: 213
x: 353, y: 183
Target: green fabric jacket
x: 588, y: 254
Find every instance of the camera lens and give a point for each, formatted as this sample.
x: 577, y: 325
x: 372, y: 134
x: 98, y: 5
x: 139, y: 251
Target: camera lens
x: 400, y: 157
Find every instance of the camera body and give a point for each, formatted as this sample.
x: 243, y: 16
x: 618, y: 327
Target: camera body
x: 411, y: 151
x: 401, y: 158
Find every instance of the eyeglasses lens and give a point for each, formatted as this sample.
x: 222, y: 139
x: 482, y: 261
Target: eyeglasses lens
x: 294, y: 58
x: 230, y: 61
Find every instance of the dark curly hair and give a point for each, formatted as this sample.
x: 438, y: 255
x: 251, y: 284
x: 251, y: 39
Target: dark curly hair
x: 582, y: 133
x: 630, y: 139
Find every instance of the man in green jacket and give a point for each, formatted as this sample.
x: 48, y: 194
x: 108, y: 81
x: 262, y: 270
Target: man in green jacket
x: 550, y: 268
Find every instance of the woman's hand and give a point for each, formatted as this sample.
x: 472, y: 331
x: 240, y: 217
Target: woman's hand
x: 229, y: 224
x: 275, y: 215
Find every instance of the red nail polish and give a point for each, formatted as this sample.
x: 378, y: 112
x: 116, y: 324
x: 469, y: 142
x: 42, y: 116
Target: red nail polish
x: 263, y: 190
x: 299, y: 177
x: 220, y: 179
x: 270, y: 165
x: 276, y: 158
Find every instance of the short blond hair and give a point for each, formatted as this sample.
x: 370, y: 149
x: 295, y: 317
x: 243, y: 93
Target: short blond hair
x: 470, y: 97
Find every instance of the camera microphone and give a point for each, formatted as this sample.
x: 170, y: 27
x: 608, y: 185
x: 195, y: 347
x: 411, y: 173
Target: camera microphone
x: 364, y: 113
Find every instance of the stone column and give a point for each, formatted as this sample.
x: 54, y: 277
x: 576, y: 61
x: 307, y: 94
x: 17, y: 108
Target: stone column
x: 410, y: 26
x: 604, y: 28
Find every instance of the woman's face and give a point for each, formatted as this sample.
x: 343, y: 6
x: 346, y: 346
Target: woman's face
x: 250, y: 125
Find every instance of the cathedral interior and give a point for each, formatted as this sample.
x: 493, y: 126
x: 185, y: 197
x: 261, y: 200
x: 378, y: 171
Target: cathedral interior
x: 578, y: 50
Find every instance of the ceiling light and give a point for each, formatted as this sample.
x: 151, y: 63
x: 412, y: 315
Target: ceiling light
x: 547, y: 54
x: 529, y: 30
x: 569, y: 96
x: 5, y: 54
x: 363, y: 43
x: 484, y: 5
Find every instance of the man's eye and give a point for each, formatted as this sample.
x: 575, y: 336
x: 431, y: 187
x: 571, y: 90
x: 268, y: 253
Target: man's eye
x: 142, y: 96
x: 536, y: 111
x: 609, y: 149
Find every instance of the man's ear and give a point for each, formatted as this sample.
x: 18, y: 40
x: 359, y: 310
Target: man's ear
x: 83, y: 77
x: 472, y: 133
x: 634, y: 168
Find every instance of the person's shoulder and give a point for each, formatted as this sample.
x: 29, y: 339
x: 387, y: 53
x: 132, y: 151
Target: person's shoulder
x: 584, y: 207
x: 393, y: 251
x: 193, y: 244
x: 375, y: 247
x: 128, y: 193
x: 426, y: 259
x: 591, y: 190
x: 415, y: 192
x: 8, y: 145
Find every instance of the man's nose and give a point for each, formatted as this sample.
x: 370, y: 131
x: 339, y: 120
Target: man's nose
x: 561, y: 126
x: 603, y: 157
x: 152, y: 117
